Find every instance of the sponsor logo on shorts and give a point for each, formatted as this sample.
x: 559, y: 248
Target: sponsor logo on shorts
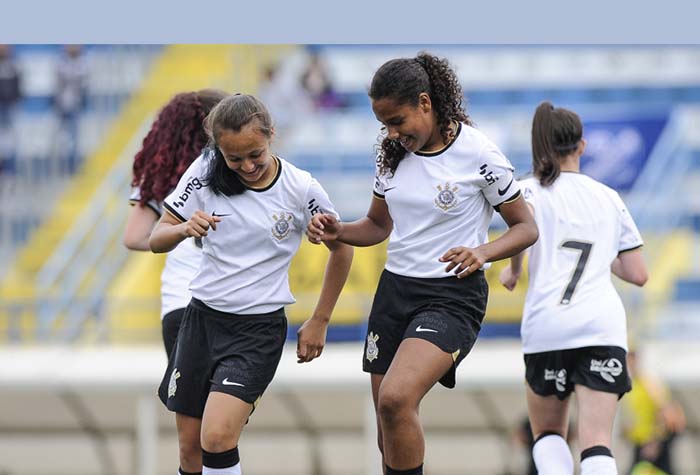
x: 609, y: 369
x: 372, y: 348
x: 172, y: 385
x: 421, y: 329
x: 226, y: 382
x: 558, y: 376
x: 282, y: 226
x: 446, y: 198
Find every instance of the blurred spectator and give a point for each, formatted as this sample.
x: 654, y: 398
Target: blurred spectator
x: 652, y: 421
x: 286, y: 100
x: 10, y: 94
x: 317, y: 82
x: 70, y: 98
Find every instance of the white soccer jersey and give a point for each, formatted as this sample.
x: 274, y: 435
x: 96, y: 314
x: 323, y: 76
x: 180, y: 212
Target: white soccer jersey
x: 571, y: 301
x: 181, y: 264
x: 246, y: 260
x: 443, y: 199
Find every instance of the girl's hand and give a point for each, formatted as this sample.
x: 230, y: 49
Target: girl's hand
x: 508, y: 278
x: 311, y: 338
x: 463, y: 260
x: 323, y: 228
x: 200, y: 222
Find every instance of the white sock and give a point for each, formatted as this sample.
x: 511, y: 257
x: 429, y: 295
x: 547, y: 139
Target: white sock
x: 235, y: 470
x: 552, y: 456
x: 598, y: 465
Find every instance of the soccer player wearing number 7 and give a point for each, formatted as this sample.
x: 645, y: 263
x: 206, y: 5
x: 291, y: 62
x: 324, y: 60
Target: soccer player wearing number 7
x: 573, y: 328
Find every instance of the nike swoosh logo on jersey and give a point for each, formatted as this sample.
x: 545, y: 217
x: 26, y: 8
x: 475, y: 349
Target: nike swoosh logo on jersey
x: 226, y: 382
x: 505, y: 190
x: 389, y: 189
x: 421, y: 329
x: 213, y: 213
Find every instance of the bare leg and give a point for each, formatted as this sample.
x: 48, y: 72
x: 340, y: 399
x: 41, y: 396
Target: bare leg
x: 547, y: 414
x: 376, y: 380
x: 223, y: 421
x: 549, y: 418
x: 188, y: 432
x: 596, y: 416
x: 417, y: 366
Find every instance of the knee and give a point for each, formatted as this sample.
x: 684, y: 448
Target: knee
x: 217, y: 440
x: 392, y: 404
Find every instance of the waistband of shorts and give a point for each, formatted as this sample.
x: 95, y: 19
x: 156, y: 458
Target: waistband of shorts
x: 448, y: 278
x: 275, y: 314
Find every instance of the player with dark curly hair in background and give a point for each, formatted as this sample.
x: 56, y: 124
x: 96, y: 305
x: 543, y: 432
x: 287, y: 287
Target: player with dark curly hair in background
x: 175, y: 140
x: 437, y: 182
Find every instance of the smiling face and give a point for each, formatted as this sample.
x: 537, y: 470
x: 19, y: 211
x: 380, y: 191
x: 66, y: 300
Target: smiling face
x: 247, y: 153
x: 414, y: 127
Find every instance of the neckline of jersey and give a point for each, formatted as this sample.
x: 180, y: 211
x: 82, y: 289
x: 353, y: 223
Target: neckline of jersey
x: 274, y: 180
x: 443, y: 149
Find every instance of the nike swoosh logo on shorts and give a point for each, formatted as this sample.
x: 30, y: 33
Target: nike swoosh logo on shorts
x: 213, y: 213
x: 421, y: 329
x: 226, y: 382
x: 389, y: 189
x: 505, y: 190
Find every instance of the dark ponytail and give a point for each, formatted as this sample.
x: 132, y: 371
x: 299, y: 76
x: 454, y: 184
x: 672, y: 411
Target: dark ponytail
x: 403, y: 80
x: 556, y: 132
x: 233, y: 113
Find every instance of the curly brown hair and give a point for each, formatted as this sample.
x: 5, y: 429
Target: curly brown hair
x: 175, y: 140
x: 403, y: 80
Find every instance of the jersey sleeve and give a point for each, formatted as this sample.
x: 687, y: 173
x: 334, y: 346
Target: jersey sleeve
x: 498, y: 183
x: 187, y: 197
x: 379, y: 183
x: 529, y: 191
x: 135, y: 199
x: 630, y: 237
x: 317, y: 201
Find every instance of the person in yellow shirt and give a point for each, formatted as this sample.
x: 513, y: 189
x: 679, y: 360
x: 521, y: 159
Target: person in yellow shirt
x: 652, y: 421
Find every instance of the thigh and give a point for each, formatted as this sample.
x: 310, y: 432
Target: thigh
x: 223, y: 420
x: 547, y: 413
x: 596, y: 415
x: 417, y: 366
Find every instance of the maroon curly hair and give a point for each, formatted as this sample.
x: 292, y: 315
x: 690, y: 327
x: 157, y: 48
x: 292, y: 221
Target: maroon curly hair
x: 176, y: 138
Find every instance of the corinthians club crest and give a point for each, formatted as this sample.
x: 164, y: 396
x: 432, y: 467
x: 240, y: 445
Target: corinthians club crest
x: 372, y: 348
x: 172, y: 386
x: 446, y: 197
x: 282, y: 225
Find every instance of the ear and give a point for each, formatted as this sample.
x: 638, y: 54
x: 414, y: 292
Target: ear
x: 582, y: 146
x: 424, y: 102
